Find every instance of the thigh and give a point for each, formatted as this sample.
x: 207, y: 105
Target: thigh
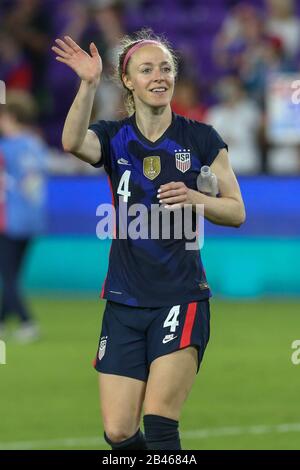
x: 176, y: 343
x: 170, y: 381
x: 122, y: 343
x: 121, y: 361
x: 179, y: 327
x: 121, y: 400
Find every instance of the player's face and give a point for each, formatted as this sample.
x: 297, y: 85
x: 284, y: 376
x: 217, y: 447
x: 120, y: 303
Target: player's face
x: 151, y: 76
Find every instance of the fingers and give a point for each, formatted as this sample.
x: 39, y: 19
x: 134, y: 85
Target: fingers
x: 60, y: 52
x: 172, y: 192
x: 172, y: 185
x: 61, y: 59
x: 174, y: 206
x: 93, y: 49
x: 64, y: 46
x: 72, y: 44
x: 173, y: 189
x: 66, y: 49
x: 68, y: 46
x: 173, y: 200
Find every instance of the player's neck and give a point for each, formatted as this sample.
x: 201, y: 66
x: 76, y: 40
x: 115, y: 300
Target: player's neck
x: 153, y: 123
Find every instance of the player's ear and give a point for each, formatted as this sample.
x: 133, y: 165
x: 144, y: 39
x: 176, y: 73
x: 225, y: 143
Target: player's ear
x: 127, y: 82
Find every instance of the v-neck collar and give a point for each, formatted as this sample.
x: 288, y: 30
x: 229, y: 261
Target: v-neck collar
x: 147, y: 141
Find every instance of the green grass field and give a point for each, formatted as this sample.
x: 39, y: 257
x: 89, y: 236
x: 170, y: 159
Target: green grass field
x: 246, y: 395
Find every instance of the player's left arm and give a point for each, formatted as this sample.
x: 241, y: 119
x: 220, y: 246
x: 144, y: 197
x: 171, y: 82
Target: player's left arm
x: 228, y: 209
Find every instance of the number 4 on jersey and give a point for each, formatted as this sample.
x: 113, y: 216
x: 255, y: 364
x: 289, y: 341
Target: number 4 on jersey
x: 171, y: 320
x: 123, y: 188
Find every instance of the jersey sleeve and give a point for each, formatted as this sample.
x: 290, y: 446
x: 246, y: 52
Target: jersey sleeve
x: 214, y: 143
x: 102, y: 131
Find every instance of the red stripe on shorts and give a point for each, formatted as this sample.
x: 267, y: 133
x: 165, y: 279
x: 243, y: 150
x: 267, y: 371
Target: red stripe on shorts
x: 103, y: 288
x: 114, y: 234
x: 188, y: 325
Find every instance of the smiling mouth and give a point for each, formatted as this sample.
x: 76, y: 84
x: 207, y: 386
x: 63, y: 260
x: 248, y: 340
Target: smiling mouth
x: 158, y: 90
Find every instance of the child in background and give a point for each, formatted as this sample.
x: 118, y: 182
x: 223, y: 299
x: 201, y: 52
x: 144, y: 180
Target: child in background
x: 22, y: 203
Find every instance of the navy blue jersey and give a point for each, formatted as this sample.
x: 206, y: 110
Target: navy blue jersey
x: 153, y: 272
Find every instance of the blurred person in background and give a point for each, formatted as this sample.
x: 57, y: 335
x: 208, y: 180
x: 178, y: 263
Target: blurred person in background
x: 256, y: 70
x: 82, y: 22
x: 22, y: 195
x: 247, y: 47
x: 102, y: 21
x: 282, y: 22
x: 73, y: 16
x: 108, y: 15
x: 146, y: 277
x: 15, y: 68
x: 240, y: 37
x: 30, y: 26
x: 239, y: 120
x: 186, y: 101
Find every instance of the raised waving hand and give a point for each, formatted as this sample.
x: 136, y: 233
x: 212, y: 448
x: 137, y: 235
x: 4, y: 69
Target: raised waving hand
x: 87, y: 66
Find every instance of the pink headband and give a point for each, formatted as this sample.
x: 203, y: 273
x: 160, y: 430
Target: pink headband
x: 135, y: 48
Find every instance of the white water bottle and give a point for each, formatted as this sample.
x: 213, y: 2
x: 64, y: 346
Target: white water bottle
x: 207, y: 182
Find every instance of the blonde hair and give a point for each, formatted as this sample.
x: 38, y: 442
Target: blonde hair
x: 22, y: 106
x: 127, y: 43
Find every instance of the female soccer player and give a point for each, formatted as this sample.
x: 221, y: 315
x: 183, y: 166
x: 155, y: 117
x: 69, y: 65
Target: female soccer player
x: 156, y: 321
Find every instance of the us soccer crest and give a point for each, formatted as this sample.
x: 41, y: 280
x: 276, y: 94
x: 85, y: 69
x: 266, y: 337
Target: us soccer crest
x: 151, y: 167
x: 102, y: 348
x: 183, y: 160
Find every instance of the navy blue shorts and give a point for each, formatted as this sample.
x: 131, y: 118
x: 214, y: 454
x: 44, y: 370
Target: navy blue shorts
x: 132, y: 337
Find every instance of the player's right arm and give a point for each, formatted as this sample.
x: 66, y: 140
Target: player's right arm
x: 76, y: 137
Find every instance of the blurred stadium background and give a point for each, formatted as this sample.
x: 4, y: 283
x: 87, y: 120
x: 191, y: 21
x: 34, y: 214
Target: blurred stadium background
x: 238, y: 61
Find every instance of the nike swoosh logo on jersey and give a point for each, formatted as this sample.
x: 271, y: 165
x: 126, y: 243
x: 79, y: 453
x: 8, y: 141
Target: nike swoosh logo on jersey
x: 169, y: 338
x: 122, y: 161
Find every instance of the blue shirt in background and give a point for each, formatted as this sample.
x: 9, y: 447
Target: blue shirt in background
x: 23, y: 160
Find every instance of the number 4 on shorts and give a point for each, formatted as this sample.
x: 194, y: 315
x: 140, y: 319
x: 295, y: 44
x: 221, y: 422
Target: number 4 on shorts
x: 171, y: 320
